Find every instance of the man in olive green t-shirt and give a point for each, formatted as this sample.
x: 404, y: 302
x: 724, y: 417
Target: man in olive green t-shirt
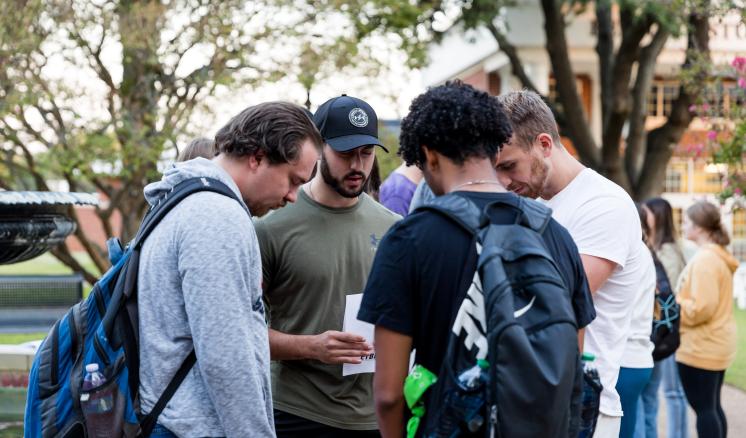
x: 315, y: 252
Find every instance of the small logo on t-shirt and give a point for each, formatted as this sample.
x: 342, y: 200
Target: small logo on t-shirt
x: 358, y: 118
x: 258, y: 306
x: 374, y: 241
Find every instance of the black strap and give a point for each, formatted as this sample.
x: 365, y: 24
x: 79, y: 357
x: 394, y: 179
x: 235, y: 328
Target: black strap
x: 148, y: 422
x: 172, y: 198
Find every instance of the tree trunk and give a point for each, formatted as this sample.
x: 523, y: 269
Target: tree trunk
x: 556, y: 44
x: 661, y: 142
x: 636, y: 147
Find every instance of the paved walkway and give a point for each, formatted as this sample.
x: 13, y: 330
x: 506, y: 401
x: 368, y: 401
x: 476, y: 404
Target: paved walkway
x: 734, y: 405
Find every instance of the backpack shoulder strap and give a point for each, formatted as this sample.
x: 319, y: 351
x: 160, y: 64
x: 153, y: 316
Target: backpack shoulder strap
x: 147, y: 423
x: 536, y: 214
x: 457, y: 208
x: 531, y: 214
x: 172, y: 198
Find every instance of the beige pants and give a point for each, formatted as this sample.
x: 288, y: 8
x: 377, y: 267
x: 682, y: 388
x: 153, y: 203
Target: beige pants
x: 607, y: 426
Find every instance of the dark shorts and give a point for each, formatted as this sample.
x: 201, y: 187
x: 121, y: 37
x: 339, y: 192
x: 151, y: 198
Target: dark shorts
x: 293, y: 426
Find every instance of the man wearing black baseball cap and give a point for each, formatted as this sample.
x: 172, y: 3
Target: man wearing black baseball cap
x: 315, y: 253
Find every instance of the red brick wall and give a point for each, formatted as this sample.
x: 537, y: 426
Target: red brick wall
x: 92, y: 227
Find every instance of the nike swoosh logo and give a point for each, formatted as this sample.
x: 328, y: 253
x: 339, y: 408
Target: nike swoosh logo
x: 520, y: 312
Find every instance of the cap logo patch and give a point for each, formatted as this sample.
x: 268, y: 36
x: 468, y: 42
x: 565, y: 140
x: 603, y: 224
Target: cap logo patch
x: 358, y: 118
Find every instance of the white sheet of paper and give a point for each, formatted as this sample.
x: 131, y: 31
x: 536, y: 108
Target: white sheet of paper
x: 353, y: 325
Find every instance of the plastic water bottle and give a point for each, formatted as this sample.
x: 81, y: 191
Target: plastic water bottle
x: 93, y: 378
x: 591, y: 396
x: 97, y: 403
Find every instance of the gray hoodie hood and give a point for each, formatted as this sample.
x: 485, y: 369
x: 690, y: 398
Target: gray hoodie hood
x: 178, y: 172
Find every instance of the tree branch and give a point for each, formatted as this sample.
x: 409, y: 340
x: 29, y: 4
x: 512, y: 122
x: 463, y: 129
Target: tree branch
x: 661, y: 141
x: 635, y: 145
x: 516, y: 66
x: 63, y: 254
x: 605, y: 50
x: 620, y: 103
x: 556, y: 44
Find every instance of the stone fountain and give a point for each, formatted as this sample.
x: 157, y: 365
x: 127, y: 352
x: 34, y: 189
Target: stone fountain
x: 31, y: 223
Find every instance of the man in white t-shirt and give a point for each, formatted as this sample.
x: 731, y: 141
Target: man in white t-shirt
x: 601, y: 218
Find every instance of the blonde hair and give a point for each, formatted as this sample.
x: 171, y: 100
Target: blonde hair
x: 707, y: 216
x: 529, y: 116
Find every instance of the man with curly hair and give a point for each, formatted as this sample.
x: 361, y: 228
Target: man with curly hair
x: 425, y: 263
x: 199, y: 280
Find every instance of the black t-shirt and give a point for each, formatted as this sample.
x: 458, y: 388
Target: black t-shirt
x: 418, y: 278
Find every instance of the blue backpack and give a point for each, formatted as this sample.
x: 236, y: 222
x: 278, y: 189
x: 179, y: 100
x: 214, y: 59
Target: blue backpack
x: 512, y: 367
x: 103, y: 329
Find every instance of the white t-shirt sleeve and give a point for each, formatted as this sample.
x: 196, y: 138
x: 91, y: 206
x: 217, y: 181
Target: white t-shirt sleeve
x: 604, y: 227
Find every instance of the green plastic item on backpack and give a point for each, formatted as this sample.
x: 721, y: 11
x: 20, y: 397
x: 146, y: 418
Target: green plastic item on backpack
x: 415, y: 385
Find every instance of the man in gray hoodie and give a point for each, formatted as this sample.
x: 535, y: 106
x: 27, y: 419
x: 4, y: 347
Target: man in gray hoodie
x: 200, y: 277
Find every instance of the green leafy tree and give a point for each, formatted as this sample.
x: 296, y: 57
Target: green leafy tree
x: 726, y: 138
x: 630, y: 36
x: 98, y: 93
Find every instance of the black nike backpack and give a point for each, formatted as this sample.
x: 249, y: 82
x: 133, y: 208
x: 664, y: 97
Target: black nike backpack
x: 512, y: 367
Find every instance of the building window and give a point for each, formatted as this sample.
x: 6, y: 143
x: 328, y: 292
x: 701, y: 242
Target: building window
x: 493, y: 83
x: 707, y: 179
x: 582, y: 84
x: 721, y: 97
x: 661, y: 97
x: 736, y: 98
x: 739, y: 234
x: 670, y: 93
x: 739, y: 224
x: 652, y: 103
x: 676, y: 172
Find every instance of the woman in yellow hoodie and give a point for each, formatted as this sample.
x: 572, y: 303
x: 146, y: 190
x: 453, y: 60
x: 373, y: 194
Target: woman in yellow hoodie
x: 708, y: 330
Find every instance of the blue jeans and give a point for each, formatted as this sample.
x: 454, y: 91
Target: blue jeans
x: 161, y: 432
x: 629, y: 386
x: 646, y: 425
x: 675, y: 399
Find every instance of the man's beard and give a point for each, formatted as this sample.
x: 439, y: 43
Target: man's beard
x: 537, y: 180
x: 338, y: 183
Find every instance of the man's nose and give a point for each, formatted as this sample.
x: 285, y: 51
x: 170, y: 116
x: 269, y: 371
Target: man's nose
x: 356, y: 162
x: 503, y: 178
x: 292, y: 195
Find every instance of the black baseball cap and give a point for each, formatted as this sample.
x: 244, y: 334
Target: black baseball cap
x: 347, y: 123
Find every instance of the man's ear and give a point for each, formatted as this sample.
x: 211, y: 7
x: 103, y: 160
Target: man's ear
x: 545, y: 144
x: 431, y: 159
x: 255, y: 160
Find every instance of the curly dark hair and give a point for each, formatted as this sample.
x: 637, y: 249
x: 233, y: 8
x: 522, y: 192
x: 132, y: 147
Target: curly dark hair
x: 455, y: 120
x: 276, y: 129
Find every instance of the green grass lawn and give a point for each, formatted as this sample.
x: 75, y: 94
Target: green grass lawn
x: 736, y: 374
x: 45, y: 264
x: 20, y: 338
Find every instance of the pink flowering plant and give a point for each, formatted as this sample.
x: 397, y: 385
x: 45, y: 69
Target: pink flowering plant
x: 726, y: 135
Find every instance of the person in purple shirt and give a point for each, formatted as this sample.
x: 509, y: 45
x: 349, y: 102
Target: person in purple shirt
x: 397, y: 191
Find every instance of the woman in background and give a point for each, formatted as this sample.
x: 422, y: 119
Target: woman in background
x: 397, y: 190
x: 662, y: 240
x: 708, y: 330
